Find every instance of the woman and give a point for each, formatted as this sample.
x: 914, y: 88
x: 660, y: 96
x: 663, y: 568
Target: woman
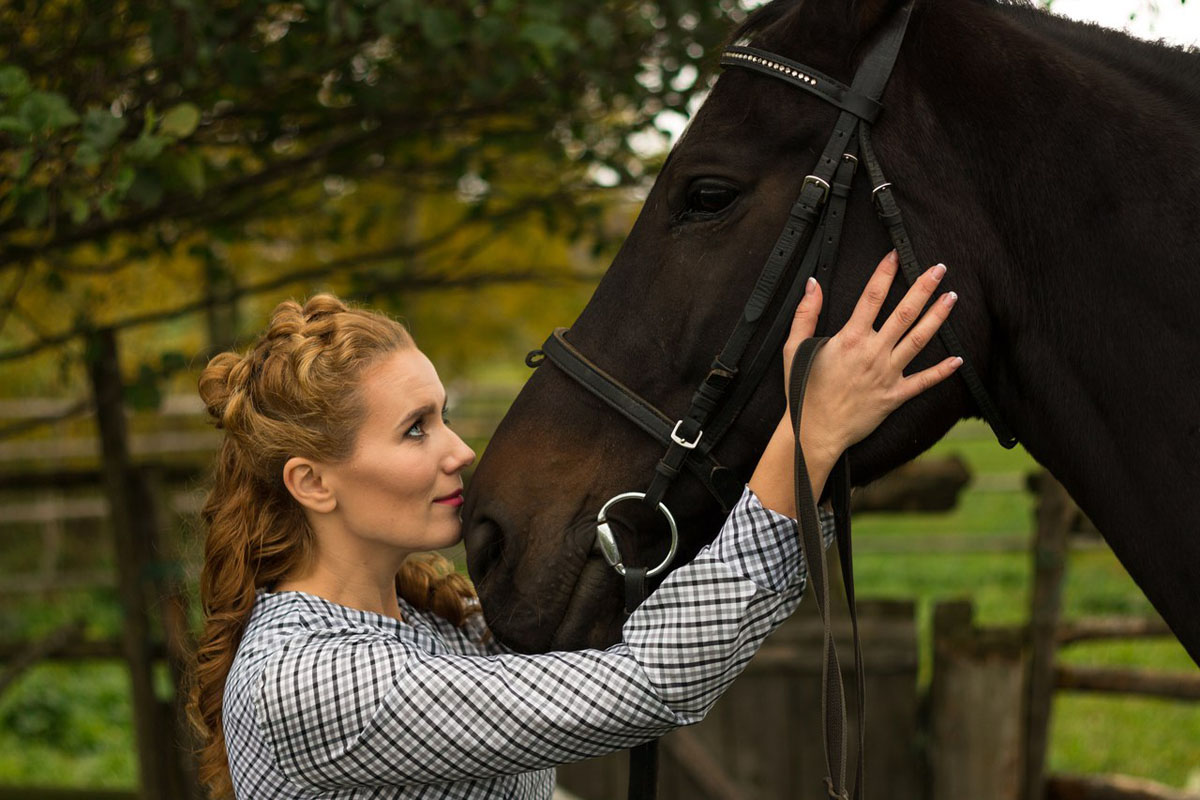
x: 335, y: 661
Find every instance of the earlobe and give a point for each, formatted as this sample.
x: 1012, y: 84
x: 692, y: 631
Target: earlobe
x: 306, y: 482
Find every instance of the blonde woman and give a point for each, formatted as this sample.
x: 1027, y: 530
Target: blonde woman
x: 338, y: 661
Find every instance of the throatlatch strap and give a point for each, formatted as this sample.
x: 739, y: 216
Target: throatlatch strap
x: 890, y: 216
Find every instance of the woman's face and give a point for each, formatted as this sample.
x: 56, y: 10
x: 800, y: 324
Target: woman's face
x: 402, y: 486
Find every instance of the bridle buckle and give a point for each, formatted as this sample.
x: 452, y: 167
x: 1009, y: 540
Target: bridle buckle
x: 875, y: 194
x: 819, y: 182
x: 684, y: 443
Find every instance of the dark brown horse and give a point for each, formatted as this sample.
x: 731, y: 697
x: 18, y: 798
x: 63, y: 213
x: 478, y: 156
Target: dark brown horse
x: 1054, y: 166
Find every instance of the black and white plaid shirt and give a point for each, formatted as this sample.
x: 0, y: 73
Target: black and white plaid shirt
x: 332, y: 702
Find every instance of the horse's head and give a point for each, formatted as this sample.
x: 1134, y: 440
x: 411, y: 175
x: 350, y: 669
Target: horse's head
x: 672, y: 297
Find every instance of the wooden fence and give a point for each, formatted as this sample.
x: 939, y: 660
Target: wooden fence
x: 979, y: 731
x: 763, y: 737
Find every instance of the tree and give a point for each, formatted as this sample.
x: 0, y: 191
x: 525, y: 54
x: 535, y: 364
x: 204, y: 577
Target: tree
x: 366, y: 137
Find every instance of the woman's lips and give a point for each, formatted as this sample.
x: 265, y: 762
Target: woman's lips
x: 455, y: 499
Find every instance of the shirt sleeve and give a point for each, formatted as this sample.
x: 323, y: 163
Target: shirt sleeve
x: 346, y: 708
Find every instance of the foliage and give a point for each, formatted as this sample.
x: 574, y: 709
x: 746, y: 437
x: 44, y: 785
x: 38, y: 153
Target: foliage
x: 186, y: 143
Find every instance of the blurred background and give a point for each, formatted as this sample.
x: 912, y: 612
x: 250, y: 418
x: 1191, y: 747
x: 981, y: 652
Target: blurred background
x: 173, y: 170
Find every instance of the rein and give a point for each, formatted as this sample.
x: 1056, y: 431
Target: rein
x: 813, y: 228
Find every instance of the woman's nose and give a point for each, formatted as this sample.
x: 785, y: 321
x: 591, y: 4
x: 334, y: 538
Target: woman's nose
x: 463, y: 456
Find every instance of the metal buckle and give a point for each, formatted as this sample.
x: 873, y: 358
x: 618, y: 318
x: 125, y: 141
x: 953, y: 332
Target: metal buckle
x: 817, y: 181
x: 608, y: 542
x: 683, y: 442
x: 875, y: 193
x: 853, y: 162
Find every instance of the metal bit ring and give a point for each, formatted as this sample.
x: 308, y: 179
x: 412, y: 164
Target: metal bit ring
x: 608, y: 543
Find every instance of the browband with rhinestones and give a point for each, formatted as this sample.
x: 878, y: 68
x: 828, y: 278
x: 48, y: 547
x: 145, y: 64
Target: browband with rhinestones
x: 807, y: 78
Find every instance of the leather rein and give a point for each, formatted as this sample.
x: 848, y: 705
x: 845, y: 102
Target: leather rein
x: 814, y: 229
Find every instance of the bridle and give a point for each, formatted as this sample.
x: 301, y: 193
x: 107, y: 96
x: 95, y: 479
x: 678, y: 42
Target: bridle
x: 814, y: 229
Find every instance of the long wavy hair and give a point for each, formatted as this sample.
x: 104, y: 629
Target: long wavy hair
x: 294, y: 392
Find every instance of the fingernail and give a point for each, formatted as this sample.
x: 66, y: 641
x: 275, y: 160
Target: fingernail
x: 949, y: 298
x: 938, y: 271
x: 894, y: 256
x: 957, y: 362
x: 811, y: 286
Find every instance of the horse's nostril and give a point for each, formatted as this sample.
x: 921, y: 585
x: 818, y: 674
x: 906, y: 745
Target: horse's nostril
x: 484, y: 543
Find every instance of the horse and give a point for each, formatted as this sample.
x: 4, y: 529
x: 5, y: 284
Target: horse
x: 1052, y: 165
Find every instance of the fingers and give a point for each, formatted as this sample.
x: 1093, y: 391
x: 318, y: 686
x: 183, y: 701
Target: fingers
x: 804, y: 323
x: 923, y: 331
x: 909, y: 308
x: 871, y: 300
x: 926, y: 379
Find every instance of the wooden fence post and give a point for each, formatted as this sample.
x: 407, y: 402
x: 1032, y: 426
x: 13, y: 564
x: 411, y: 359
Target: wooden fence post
x: 165, y: 579
x: 158, y: 761
x: 975, y: 708
x: 1055, y: 512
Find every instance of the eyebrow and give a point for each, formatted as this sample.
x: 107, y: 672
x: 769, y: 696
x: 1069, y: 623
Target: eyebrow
x: 424, y: 410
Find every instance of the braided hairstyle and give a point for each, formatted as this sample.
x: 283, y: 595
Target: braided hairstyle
x: 295, y: 392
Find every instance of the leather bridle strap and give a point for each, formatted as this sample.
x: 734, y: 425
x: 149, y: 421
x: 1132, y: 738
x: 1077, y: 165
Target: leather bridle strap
x: 833, y: 697
x: 889, y: 214
x: 720, y: 481
x: 643, y: 759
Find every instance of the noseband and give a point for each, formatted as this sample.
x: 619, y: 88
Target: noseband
x: 814, y: 229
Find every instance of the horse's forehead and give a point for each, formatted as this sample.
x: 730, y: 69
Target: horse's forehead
x: 740, y: 108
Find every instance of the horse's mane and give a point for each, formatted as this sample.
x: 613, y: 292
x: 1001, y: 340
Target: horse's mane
x: 1173, y: 71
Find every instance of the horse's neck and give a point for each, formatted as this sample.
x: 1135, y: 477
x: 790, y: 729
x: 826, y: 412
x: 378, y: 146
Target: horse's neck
x: 1086, y: 180
x: 1167, y: 71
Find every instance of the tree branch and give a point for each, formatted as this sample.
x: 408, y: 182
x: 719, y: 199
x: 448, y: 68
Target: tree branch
x: 346, y: 263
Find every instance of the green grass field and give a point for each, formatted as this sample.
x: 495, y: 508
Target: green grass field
x: 69, y: 725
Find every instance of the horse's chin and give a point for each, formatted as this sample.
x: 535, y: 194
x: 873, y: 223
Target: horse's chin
x: 593, y: 616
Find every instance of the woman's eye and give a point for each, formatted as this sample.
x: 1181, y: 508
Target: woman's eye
x: 419, y: 431
x: 709, y: 196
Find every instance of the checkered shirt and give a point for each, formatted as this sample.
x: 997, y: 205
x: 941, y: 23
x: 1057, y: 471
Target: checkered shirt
x: 325, y: 701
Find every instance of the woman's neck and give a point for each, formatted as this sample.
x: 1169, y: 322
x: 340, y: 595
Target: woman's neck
x: 350, y: 583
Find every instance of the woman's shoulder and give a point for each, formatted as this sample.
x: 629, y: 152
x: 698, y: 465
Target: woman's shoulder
x: 282, y: 618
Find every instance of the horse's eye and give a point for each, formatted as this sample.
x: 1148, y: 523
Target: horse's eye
x: 708, y: 196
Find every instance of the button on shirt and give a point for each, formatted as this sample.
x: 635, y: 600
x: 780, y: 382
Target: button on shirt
x: 326, y: 701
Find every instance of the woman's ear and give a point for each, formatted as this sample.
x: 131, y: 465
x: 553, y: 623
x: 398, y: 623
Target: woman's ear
x: 306, y: 482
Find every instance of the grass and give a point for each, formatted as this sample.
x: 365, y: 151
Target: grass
x: 932, y: 557
x: 70, y: 725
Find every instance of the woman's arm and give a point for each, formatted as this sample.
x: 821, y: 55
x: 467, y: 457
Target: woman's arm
x: 343, y: 708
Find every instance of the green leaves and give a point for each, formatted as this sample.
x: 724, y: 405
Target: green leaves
x: 180, y: 121
x: 207, y: 118
x: 101, y: 128
x: 440, y: 26
x: 45, y: 112
x: 144, y: 393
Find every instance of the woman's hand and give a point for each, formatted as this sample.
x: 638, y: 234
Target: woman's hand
x: 858, y: 377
